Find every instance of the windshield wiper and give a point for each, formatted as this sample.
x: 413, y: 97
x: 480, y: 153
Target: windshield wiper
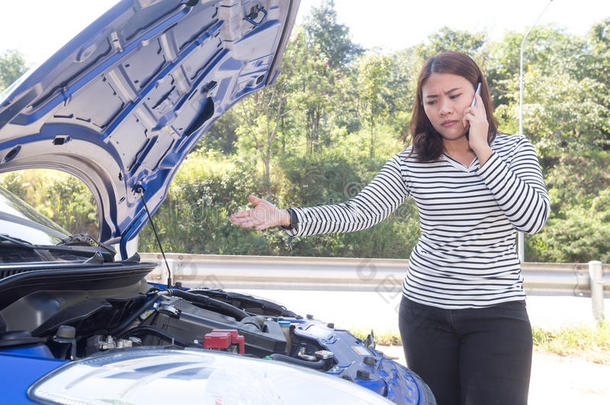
x: 15, y: 241
x: 72, y: 244
x: 84, y: 239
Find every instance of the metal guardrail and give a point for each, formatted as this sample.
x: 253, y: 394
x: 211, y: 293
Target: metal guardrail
x: 359, y: 274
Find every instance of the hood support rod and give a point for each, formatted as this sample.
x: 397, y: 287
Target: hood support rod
x: 140, y: 190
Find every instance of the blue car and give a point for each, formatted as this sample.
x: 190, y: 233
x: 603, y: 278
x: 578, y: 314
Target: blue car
x: 119, y: 107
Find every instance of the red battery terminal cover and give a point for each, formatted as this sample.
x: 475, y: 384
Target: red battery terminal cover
x: 224, y: 339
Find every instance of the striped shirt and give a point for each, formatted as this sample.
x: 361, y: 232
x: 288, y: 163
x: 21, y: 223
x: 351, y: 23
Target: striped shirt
x: 465, y: 256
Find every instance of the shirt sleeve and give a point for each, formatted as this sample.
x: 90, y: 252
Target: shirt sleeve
x: 518, y: 187
x: 371, y: 205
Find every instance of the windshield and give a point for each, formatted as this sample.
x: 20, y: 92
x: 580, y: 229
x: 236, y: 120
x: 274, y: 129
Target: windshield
x: 19, y: 220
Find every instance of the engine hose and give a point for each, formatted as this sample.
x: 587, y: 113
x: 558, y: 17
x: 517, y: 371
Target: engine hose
x: 125, y: 324
x: 318, y: 365
x: 151, y: 330
x: 227, y: 309
x: 270, y: 307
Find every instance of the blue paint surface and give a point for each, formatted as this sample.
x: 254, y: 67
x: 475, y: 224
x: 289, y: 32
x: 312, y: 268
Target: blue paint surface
x: 18, y: 372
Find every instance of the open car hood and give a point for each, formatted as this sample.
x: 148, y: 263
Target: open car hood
x: 122, y: 104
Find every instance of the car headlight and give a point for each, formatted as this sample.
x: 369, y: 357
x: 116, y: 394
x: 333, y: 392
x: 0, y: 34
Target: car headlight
x: 192, y: 377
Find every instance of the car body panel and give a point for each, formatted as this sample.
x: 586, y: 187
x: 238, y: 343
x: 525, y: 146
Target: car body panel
x: 196, y: 376
x: 19, y: 371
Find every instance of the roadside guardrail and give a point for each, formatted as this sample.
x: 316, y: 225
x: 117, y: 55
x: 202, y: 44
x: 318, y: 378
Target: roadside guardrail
x: 360, y: 274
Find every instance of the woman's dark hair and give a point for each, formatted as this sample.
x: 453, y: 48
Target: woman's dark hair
x: 427, y: 142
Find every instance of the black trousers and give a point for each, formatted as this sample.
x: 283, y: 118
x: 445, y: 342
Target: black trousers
x: 469, y: 356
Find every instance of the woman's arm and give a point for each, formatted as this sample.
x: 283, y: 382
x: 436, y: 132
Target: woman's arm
x: 371, y: 205
x: 519, y: 187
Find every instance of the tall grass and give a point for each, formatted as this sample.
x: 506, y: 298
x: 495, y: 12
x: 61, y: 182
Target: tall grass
x: 590, y: 343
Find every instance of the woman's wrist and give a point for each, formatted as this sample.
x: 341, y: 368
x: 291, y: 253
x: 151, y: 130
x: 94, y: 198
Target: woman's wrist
x: 483, y: 154
x: 284, y: 218
x: 292, y: 220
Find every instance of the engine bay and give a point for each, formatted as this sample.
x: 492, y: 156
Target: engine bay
x: 75, y: 324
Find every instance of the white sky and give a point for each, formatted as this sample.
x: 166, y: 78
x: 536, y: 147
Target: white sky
x: 39, y: 27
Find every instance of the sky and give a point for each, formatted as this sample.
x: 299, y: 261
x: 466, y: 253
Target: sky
x: 37, y: 28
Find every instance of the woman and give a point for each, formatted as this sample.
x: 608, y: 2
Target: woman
x: 462, y: 318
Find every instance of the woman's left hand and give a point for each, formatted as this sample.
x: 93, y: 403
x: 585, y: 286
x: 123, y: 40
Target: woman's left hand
x: 475, y: 119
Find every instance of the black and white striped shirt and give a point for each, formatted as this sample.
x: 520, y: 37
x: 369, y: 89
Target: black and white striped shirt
x: 465, y: 256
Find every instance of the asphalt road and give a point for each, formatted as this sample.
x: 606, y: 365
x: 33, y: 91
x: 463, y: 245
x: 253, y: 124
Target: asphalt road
x: 555, y: 380
x: 379, y: 310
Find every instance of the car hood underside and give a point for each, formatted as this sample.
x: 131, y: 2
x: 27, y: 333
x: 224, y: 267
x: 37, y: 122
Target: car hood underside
x: 122, y: 104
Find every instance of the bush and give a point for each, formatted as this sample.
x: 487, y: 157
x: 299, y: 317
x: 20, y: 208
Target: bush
x: 208, y: 188
x: 579, y: 234
x: 61, y: 197
x: 194, y: 217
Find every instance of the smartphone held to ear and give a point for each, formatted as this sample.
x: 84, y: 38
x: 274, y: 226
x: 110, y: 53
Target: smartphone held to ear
x: 478, y: 92
x: 474, y: 102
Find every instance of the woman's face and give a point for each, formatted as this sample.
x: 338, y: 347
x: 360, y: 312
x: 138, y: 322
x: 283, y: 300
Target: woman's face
x: 445, y: 97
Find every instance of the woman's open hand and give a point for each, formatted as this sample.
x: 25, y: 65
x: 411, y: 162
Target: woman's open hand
x: 264, y: 215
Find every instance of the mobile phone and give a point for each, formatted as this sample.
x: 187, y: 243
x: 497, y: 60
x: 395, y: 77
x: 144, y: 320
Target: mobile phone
x: 474, y: 102
x: 477, y: 91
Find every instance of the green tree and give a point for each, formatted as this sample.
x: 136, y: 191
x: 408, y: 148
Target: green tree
x: 262, y: 115
x: 567, y: 116
x: 447, y: 39
x: 332, y: 100
x: 312, y: 85
x: 597, y: 65
x: 401, y: 83
x: 581, y: 236
x: 12, y: 66
x: 548, y: 49
x: 374, y: 94
x: 566, y: 103
x: 222, y: 135
x: 332, y: 38
x: 326, y: 75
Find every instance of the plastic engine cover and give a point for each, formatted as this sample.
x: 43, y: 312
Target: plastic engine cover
x: 366, y: 366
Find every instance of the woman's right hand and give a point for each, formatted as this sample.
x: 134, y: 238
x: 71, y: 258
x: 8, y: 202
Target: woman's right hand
x: 264, y: 215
